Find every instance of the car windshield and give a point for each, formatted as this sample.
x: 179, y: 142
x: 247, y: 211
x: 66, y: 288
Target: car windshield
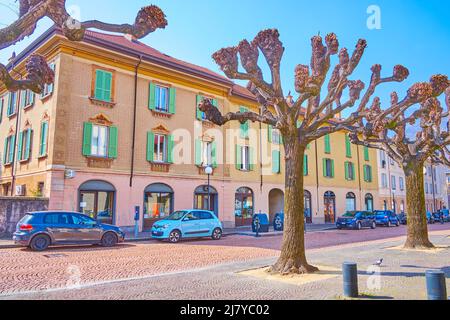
x: 178, y: 215
x: 350, y: 214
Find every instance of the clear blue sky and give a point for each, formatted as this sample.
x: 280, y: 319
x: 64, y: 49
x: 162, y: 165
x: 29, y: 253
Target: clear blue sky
x: 414, y: 33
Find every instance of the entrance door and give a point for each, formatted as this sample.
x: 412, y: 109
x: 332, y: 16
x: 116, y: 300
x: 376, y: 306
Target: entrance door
x: 244, y: 207
x: 98, y: 205
x: 308, y: 207
x: 330, y: 207
x: 203, y: 203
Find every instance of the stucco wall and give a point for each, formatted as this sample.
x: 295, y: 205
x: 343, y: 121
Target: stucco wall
x: 13, y: 209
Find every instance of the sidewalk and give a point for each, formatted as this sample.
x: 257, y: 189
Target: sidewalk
x: 241, y: 231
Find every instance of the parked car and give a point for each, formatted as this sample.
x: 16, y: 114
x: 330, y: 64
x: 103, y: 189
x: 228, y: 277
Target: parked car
x: 39, y: 230
x: 386, y: 218
x: 446, y: 213
x: 403, y: 217
x: 357, y: 220
x: 430, y: 218
x: 438, y: 217
x: 188, y: 224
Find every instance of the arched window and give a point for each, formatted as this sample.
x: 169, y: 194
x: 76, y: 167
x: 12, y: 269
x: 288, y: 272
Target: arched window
x: 330, y: 207
x: 97, y: 200
x: 204, y: 200
x: 308, y: 206
x: 350, y: 202
x: 158, y: 203
x: 369, y: 202
x: 244, y: 206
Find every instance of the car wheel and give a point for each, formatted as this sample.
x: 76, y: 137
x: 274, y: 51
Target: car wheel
x: 109, y: 240
x: 359, y: 226
x: 397, y: 224
x: 374, y: 225
x: 217, y: 234
x: 40, y: 242
x: 175, y: 236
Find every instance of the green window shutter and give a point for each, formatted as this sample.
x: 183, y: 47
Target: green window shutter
x: 172, y: 99
x: 308, y: 146
x: 366, y: 173
x: 107, y: 86
x: 346, y: 169
x: 238, y: 157
x: 170, y: 147
x: 199, y: 114
x: 369, y: 173
x: 150, y: 146
x: 327, y: 144
x: 348, y: 146
x: 11, y: 104
x: 31, y: 97
x: 305, y: 165
x: 251, y: 159
x: 324, y: 164
x: 198, y: 152
x: 51, y: 86
x: 87, y: 139
x: 28, y: 145
x: 5, y: 151
x: 23, y: 98
x: 43, y: 144
x: 332, y: 168
x: 12, y: 143
x: 214, y: 154
x: 366, y: 154
x: 99, y: 80
x: 2, y: 103
x: 245, y: 126
x: 276, y: 155
x: 19, y: 147
x: 152, y: 96
x: 269, y: 133
x: 215, y: 103
x: 113, y: 142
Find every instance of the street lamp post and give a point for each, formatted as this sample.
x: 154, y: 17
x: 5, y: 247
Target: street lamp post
x: 209, y: 172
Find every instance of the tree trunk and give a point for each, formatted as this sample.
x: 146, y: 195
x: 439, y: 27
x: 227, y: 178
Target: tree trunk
x: 293, y: 258
x: 415, y: 200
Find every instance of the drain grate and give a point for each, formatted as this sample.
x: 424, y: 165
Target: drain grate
x: 56, y: 255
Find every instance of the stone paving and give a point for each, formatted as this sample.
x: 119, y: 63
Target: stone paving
x: 208, y: 270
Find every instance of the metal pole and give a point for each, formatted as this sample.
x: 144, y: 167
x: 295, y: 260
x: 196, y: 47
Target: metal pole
x: 350, y: 273
x: 436, y: 286
x: 209, y: 192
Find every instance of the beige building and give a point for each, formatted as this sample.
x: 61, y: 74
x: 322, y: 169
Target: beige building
x: 120, y: 129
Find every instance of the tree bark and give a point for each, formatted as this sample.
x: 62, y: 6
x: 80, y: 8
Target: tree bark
x: 417, y: 237
x: 293, y: 258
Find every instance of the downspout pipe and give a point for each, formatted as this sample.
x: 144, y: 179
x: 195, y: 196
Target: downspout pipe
x: 133, y: 142
x: 16, y: 139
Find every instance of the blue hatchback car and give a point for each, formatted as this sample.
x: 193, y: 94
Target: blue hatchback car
x: 387, y: 218
x: 188, y: 224
x: 356, y: 220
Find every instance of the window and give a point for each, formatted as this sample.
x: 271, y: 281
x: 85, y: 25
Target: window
x: 383, y: 159
x: 24, y: 147
x: 328, y: 168
x: 276, y: 161
x: 2, y: 104
x: 8, y: 154
x: 48, y: 88
x: 327, y: 144
x: 103, y: 85
x: 349, y: 171
x: 305, y: 166
x: 384, y: 183
x: 57, y: 219
x: 199, y: 114
x: 350, y: 203
x: 366, y: 154
x: 244, y: 126
x: 26, y: 98
x: 162, y: 99
x: 401, y: 183
x: 274, y: 135
x: 12, y: 104
x: 43, y: 139
x: 244, y: 158
x: 348, y: 146
x: 100, y: 141
x: 205, y: 153
x: 206, y: 216
x: 159, y: 148
x: 367, y: 173
x: 393, y: 183
x: 426, y: 188
x: 82, y: 220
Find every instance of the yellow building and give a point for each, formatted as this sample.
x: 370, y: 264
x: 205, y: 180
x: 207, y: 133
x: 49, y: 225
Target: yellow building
x: 120, y: 129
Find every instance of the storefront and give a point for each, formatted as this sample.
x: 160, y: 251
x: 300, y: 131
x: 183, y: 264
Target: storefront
x: 244, y: 207
x: 308, y: 206
x: 369, y: 202
x: 330, y: 207
x: 158, y: 203
x: 97, y: 200
x: 350, y: 202
x: 204, y: 200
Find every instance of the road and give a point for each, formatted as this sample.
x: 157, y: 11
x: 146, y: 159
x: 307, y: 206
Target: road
x: 24, y: 271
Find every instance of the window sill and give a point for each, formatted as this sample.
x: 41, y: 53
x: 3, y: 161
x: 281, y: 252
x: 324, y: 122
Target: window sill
x: 160, y: 166
x: 98, y: 162
x: 162, y: 114
x: 46, y: 97
x: 12, y: 116
x: 6, y: 165
x: 101, y: 103
x: 24, y: 161
x: 207, y: 124
x: 43, y: 157
x: 28, y: 107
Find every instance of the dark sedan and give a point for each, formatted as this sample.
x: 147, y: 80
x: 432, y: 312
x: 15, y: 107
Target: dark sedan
x: 403, y: 217
x: 357, y: 220
x: 386, y: 218
x: 39, y: 230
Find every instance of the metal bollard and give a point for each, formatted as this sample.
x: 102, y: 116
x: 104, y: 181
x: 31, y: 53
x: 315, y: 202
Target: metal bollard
x: 350, y: 273
x: 436, y: 286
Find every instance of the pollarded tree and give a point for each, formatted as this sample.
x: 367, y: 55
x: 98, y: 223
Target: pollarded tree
x: 387, y: 130
x: 318, y: 116
x: 31, y: 12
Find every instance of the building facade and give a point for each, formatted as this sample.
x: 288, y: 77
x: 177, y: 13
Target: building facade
x: 120, y: 129
x: 392, y: 185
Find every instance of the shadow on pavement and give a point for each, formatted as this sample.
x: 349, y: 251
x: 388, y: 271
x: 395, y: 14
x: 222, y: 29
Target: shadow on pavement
x: 80, y: 248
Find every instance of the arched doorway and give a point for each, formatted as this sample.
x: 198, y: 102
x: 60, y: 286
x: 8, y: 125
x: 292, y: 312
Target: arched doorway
x: 97, y: 200
x: 276, y: 203
x: 158, y: 203
x: 308, y: 206
x: 244, y: 207
x: 369, y: 202
x: 350, y: 202
x: 203, y: 202
x: 330, y: 207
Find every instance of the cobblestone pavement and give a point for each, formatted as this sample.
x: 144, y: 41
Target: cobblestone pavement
x: 207, y: 269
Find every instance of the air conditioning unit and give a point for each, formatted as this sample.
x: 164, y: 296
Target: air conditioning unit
x: 21, y: 190
x: 69, y: 174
